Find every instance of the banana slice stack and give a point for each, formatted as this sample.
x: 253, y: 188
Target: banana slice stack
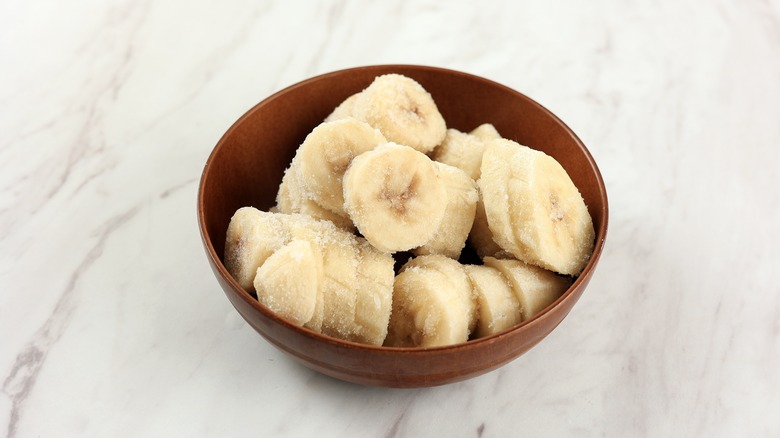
x: 382, y: 175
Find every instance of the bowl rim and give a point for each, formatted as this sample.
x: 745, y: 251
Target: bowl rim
x: 583, y: 278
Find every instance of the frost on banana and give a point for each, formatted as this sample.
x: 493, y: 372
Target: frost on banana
x: 533, y: 209
x: 400, y: 108
x: 395, y: 196
x: 279, y: 256
x: 433, y: 304
x: 461, y: 193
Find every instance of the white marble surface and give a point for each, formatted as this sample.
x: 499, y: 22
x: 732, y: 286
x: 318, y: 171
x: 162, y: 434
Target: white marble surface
x: 111, y: 323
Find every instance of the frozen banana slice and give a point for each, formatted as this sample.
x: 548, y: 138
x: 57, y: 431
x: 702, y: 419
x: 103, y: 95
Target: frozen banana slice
x: 429, y: 309
x: 403, y: 110
x: 533, y: 208
x: 374, y: 301
x: 395, y: 196
x: 485, y: 132
x: 291, y: 296
x: 480, y: 237
x: 534, y: 287
x: 462, y: 197
x: 461, y: 150
x: 498, y: 306
x: 252, y: 236
x: 324, y: 156
x: 291, y: 199
x: 344, y: 109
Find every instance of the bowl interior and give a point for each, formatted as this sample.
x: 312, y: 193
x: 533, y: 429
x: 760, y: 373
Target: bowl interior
x: 247, y: 165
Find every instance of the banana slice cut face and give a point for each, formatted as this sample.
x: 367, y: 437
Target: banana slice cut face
x: 324, y: 156
x: 395, y: 196
x: 252, y: 236
x: 533, y: 209
x: 433, y: 304
x: 291, y: 296
x: 399, y: 107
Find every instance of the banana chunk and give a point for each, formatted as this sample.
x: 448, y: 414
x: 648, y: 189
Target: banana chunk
x: 344, y: 109
x: 461, y: 150
x: 534, y: 287
x: 375, y: 276
x: 402, y: 109
x: 291, y: 199
x: 433, y: 304
x: 324, y: 156
x: 395, y: 196
x: 252, y: 236
x: 499, y: 308
x: 454, y: 229
x: 485, y: 132
x: 480, y: 237
x: 291, y: 296
x: 533, y: 208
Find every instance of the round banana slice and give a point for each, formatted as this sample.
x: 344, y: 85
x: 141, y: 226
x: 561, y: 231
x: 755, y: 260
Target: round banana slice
x: 458, y: 283
x: 344, y: 109
x: 534, y: 287
x: 403, y: 110
x: 291, y: 200
x: 462, y: 197
x: 485, y: 132
x: 291, y: 296
x: 461, y: 150
x: 324, y: 156
x: 429, y: 308
x: 498, y: 306
x: 395, y: 196
x: 533, y: 208
x: 252, y: 236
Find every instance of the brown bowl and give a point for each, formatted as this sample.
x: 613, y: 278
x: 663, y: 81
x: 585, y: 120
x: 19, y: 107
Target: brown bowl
x: 245, y: 169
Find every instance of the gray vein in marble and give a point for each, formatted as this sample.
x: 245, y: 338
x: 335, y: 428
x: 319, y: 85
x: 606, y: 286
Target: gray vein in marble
x: 175, y: 188
x: 24, y: 372
x: 393, y: 432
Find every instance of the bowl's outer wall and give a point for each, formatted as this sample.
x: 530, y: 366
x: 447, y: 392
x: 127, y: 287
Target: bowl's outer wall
x: 247, y: 165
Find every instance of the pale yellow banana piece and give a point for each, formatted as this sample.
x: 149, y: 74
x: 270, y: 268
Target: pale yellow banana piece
x: 289, y: 280
x: 291, y: 199
x: 433, y: 304
x: 480, y: 237
x: 374, y: 302
x: 535, y: 287
x: 498, y: 306
x: 403, y: 110
x: 344, y: 109
x: 324, y: 156
x: 252, y: 236
x: 357, y: 282
x: 485, y: 132
x: 461, y: 192
x: 461, y: 150
x: 533, y: 208
x: 395, y: 196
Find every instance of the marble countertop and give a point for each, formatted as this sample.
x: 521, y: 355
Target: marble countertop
x: 112, y: 324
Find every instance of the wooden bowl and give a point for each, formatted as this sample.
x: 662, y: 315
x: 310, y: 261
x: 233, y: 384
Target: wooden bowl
x: 245, y: 169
